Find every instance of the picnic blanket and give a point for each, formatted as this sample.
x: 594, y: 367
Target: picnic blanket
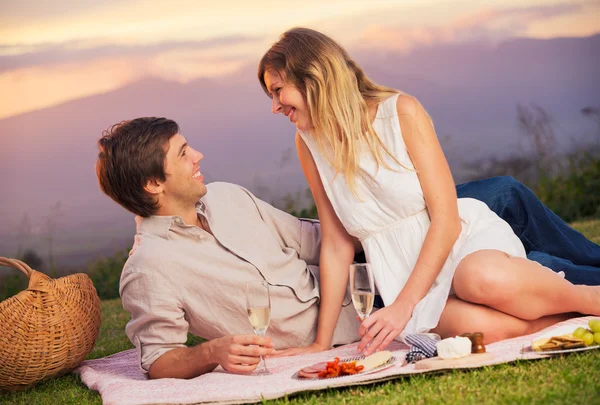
x: 119, y: 380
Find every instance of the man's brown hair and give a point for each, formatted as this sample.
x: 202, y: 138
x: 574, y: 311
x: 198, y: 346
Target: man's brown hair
x: 131, y: 154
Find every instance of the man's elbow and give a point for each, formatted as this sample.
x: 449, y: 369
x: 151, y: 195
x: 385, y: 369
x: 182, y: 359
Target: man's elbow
x: 156, y: 372
x: 153, y: 374
x: 181, y: 363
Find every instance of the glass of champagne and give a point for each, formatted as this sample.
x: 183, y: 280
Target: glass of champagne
x: 258, y: 304
x: 362, y: 288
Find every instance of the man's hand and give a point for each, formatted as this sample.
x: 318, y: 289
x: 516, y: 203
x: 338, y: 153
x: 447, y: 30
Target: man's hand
x: 379, y: 329
x: 314, y: 348
x: 240, y: 353
x: 234, y: 353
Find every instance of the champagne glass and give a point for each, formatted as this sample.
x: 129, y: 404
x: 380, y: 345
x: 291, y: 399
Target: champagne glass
x: 258, y: 304
x: 362, y: 289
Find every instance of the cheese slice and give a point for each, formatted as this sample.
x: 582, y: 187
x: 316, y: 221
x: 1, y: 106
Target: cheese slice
x: 375, y: 360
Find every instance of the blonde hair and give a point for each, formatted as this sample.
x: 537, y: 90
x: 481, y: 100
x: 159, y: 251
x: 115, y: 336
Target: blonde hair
x: 338, y: 94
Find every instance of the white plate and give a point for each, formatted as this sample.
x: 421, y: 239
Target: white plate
x: 385, y: 365
x: 563, y: 330
x: 579, y: 349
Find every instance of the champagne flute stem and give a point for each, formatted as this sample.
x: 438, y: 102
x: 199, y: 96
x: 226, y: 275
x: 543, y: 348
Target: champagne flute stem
x: 262, y: 365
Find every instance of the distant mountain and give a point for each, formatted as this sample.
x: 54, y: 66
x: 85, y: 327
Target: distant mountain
x: 470, y: 90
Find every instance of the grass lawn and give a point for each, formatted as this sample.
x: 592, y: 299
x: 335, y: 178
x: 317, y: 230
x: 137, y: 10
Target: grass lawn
x: 572, y: 379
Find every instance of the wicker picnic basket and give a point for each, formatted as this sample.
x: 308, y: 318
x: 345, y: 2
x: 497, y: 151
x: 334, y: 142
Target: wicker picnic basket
x: 48, y: 329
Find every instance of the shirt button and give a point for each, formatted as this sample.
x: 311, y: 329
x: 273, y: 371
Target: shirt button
x: 178, y: 221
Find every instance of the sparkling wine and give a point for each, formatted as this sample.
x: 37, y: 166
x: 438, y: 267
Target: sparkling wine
x: 363, y: 303
x: 259, y: 319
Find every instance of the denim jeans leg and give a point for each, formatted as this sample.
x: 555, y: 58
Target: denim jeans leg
x: 575, y: 273
x: 539, y: 229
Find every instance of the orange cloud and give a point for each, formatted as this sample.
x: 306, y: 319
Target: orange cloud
x: 488, y: 25
x: 29, y: 89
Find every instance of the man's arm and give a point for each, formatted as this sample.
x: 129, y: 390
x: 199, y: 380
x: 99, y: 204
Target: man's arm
x: 233, y: 353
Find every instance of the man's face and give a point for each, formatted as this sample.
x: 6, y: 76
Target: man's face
x: 184, y: 183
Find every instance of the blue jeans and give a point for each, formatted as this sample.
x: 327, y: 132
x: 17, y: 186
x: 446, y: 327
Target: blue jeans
x: 547, y: 238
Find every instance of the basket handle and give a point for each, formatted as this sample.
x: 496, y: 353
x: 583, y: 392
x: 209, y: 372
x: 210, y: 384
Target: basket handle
x: 17, y: 264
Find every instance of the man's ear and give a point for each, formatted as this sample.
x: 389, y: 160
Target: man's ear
x: 154, y: 187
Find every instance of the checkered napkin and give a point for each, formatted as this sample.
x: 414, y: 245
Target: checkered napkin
x: 421, y: 347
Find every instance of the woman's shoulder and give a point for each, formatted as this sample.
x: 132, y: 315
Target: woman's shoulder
x: 398, y: 104
x: 406, y: 104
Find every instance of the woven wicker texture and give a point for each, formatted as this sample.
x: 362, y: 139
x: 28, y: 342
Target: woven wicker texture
x: 48, y: 329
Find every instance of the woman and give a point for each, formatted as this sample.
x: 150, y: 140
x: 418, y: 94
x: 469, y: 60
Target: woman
x: 378, y: 175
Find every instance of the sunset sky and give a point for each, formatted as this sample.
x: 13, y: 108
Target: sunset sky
x: 71, y: 68
x: 60, y: 50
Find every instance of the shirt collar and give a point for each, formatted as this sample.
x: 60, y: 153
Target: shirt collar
x: 201, y: 207
x: 160, y: 225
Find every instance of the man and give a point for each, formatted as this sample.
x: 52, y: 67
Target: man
x: 196, y: 247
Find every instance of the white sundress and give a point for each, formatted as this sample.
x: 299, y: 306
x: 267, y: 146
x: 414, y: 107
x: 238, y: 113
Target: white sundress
x: 391, y: 221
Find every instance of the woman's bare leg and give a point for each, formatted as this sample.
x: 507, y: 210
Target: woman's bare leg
x: 520, y: 287
x: 459, y: 317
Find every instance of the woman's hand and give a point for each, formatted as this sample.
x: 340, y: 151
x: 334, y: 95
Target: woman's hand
x: 294, y: 351
x: 380, y: 328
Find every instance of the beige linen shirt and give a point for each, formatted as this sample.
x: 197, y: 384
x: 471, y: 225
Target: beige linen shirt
x: 180, y: 278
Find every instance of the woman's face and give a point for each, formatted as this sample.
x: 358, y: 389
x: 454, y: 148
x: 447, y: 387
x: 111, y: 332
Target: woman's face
x: 287, y: 100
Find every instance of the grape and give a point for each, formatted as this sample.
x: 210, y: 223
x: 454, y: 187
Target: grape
x: 594, y: 325
x: 597, y: 338
x: 579, y: 332
x: 588, y: 338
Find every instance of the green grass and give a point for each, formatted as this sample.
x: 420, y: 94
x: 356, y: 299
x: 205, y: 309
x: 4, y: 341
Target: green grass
x: 572, y: 379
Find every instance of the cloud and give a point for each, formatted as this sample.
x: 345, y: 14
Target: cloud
x: 15, y: 57
x: 42, y: 86
x: 485, y: 25
x: 56, y: 74
x: 36, y: 75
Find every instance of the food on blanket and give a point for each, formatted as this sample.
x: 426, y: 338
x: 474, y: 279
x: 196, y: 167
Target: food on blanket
x: 536, y: 344
x: 557, y: 343
x: 454, y: 348
x: 588, y: 338
x: 313, y: 371
x: 476, y: 339
x: 579, y: 332
x: 375, y: 360
x: 335, y: 368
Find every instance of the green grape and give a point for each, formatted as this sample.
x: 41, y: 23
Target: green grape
x: 588, y: 338
x: 594, y: 325
x: 597, y: 338
x: 579, y: 332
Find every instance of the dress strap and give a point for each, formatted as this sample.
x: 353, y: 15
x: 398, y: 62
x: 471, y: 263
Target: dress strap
x: 387, y: 108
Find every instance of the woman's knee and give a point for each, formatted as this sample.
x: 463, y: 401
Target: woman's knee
x: 479, y: 277
x: 505, y: 183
